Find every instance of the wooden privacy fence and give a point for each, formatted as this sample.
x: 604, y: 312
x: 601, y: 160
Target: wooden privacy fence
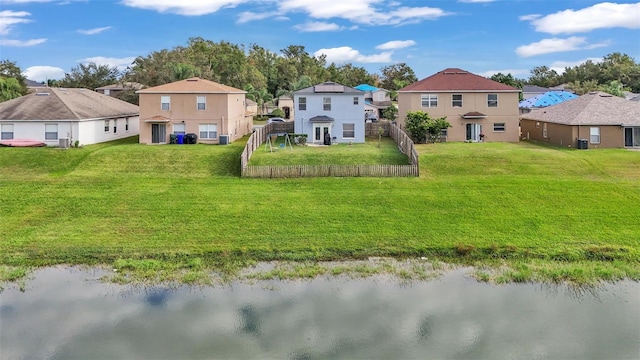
x: 405, y: 145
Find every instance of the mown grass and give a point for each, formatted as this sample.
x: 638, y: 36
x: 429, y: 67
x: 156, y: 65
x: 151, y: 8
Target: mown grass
x: 158, y: 211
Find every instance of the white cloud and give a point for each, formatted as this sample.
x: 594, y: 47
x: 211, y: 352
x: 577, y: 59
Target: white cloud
x: 559, y: 66
x: 43, y: 73
x: 529, y: 17
x: 188, y: 8
x: 9, y: 18
x: 396, y: 44
x: 120, y: 63
x: 515, y: 72
x: 94, y: 31
x: 347, y: 54
x: 361, y: 11
x: 599, y: 16
x: 476, y: 1
x: 21, y: 43
x: 247, y: 16
x: 317, y: 26
x: 554, y: 45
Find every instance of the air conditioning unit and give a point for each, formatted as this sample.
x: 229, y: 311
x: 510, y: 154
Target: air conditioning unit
x: 224, y: 139
x: 63, y: 143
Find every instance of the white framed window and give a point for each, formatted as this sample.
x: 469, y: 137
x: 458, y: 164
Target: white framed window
x: 179, y: 129
x: 208, y: 131
x: 106, y: 126
x: 126, y: 125
x: 51, y: 131
x: 456, y: 100
x: 165, y: 103
x: 302, y: 103
x: 499, y: 127
x: 594, y: 135
x: 444, y: 132
x: 429, y: 100
x: 6, y: 131
x: 355, y: 100
x: 202, y: 102
x: 326, y: 103
x: 348, y: 131
x: 107, y: 92
x: 537, y: 124
x: 544, y: 130
x: 492, y: 100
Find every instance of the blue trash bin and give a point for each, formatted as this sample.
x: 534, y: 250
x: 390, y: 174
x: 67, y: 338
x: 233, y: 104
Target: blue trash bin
x: 180, y: 138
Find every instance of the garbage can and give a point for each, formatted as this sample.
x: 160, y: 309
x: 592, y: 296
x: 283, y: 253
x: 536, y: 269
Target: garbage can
x: 173, y: 139
x: 583, y: 144
x: 180, y: 138
x: 191, y: 138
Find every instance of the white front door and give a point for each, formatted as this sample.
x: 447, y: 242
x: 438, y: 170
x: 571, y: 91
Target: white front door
x: 320, y: 131
x: 473, y: 132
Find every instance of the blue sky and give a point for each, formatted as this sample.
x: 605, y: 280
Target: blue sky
x: 46, y: 38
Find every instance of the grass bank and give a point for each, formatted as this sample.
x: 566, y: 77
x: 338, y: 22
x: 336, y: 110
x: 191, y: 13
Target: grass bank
x: 515, y: 211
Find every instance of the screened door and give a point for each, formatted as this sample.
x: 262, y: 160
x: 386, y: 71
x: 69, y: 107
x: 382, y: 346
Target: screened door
x: 158, y: 133
x: 473, y: 132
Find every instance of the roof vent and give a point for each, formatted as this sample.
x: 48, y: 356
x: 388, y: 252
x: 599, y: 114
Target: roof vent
x: 193, y: 79
x: 461, y: 72
x: 42, y: 94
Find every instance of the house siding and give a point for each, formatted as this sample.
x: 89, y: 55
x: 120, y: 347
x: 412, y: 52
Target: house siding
x: 506, y: 112
x: 568, y: 135
x: 227, y: 111
x: 343, y: 111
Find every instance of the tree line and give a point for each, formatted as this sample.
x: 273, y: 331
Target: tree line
x: 267, y: 75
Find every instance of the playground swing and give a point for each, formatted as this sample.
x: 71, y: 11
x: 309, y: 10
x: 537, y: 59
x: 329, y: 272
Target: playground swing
x: 269, y: 143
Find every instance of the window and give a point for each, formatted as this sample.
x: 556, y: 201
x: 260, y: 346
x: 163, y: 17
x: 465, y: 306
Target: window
x: 492, y: 100
x: 429, y: 100
x: 202, y: 102
x: 348, y: 131
x: 6, y: 131
x: 456, y: 100
x: 179, y: 129
x: 106, y: 126
x: 115, y: 126
x: 326, y: 104
x: 126, y: 125
x: 208, y: 131
x: 499, y: 127
x: 165, y: 102
x: 107, y: 92
x: 444, y: 132
x: 355, y: 100
x: 51, y: 131
x: 544, y: 130
x: 302, y: 103
x: 594, y: 135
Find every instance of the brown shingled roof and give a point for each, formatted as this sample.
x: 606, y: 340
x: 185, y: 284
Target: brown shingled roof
x: 595, y: 108
x: 193, y: 85
x: 65, y: 104
x: 454, y: 79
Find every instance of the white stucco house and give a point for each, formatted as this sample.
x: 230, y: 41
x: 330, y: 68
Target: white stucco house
x: 330, y: 113
x: 60, y: 117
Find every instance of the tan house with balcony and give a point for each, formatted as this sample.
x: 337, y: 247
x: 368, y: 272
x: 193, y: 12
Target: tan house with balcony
x: 478, y: 109
x: 215, y: 113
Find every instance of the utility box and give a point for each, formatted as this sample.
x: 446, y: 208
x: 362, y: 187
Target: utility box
x: 224, y: 139
x: 583, y: 144
x: 63, y: 143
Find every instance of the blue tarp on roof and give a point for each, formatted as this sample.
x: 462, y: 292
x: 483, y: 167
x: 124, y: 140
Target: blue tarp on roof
x: 366, y: 87
x: 547, y: 99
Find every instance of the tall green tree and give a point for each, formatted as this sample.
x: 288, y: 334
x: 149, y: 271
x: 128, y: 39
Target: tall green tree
x: 9, y: 88
x: 9, y: 69
x: 90, y: 76
x: 397, y: 76
x: 544, y: 76
x: 421, y: 126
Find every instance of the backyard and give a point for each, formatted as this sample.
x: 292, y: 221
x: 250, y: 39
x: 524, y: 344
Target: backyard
x: 518, y: 212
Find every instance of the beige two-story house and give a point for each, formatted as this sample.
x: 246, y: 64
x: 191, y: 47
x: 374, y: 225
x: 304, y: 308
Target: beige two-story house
x: 215, y: 113
x: 478, y: 109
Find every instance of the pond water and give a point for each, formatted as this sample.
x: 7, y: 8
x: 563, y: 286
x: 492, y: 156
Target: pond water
x: 66, y: 313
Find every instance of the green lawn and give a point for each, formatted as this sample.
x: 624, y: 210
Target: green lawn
x: 538, y: 212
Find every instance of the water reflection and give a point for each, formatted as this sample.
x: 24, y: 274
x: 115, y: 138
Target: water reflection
x: 68, y: 314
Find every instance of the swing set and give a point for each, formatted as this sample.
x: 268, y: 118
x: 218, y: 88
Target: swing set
x: 269, y: 142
